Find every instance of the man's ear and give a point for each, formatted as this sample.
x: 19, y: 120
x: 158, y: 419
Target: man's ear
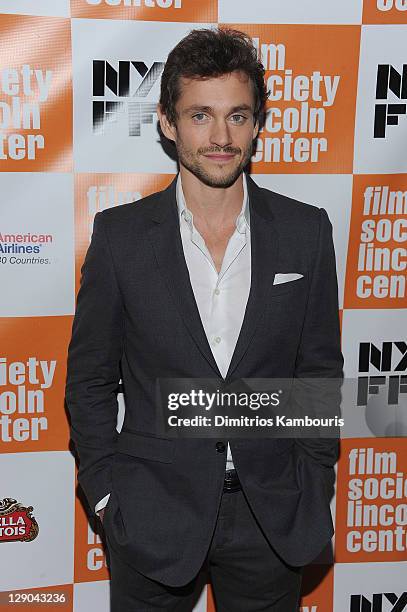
x: 168, y: 129
x: 256, y: 129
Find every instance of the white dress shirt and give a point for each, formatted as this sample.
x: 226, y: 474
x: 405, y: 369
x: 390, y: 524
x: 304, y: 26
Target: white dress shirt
x: 221, y: 298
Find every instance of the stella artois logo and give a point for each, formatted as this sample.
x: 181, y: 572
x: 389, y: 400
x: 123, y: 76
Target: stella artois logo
x: 16, y: 522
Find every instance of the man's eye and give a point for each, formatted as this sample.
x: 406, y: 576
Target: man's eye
x: 199, y: 117
x: 238, y: 118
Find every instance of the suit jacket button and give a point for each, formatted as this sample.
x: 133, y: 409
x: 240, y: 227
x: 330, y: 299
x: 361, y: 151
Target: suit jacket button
x: 220, y: 447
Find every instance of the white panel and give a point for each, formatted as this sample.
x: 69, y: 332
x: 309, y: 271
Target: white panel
x: 91, y: 596
x: 380, y: 44
x: 290, y: 11
x: 200, y: 605
x: 378, y: 417
x: 41, y: 283
x: 53, y: 8
x: 366, y: 579
x: 114, y: 150
x: 45, y: 481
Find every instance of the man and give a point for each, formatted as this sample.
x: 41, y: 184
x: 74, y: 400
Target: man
x: 184, y: 284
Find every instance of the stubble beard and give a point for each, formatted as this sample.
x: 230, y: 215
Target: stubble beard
x: 190, y: 160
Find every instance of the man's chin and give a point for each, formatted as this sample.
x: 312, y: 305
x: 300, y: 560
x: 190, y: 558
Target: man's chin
x: 219, y: 179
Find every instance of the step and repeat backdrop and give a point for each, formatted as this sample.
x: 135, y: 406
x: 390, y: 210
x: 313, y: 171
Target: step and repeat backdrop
x: 79, y: 83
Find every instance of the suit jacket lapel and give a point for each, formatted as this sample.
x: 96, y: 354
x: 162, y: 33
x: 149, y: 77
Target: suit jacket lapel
x: 167, y: 244
x: 264, y: 254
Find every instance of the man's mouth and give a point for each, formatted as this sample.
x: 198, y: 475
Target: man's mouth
x: 220, y: 157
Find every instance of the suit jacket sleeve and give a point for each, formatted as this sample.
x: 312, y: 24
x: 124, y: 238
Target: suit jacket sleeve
x: 93, y: 369
x: 319, y: 354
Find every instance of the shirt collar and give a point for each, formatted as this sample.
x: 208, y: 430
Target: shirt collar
x: 242, y: 221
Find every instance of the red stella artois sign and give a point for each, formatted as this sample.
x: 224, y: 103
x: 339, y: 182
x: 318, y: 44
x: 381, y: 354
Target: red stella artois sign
x: 16, y: 522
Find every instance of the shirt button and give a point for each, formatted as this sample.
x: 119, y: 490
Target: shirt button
x: 220, y: 447
x: 217, y: 339
x: 216, y: 291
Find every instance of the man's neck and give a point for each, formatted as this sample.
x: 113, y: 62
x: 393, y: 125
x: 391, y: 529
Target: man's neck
x: 212, y: 206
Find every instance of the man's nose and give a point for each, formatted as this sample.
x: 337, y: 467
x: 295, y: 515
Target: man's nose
x: 220, y: 134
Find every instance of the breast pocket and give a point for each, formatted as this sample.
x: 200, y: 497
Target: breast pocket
x: 299, y: 285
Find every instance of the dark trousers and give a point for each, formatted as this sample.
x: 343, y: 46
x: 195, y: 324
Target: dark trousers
x: 245, y: 572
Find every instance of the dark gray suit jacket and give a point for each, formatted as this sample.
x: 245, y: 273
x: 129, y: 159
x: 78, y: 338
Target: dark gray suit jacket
x: 136, y: 319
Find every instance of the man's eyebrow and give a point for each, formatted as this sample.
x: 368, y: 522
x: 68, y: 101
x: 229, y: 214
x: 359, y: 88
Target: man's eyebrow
x: 241, y: 107
x: 197, y: 107
x: 208, y: 109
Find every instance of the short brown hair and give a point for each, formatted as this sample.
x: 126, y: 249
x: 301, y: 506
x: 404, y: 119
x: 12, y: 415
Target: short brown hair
x: 212, y: 53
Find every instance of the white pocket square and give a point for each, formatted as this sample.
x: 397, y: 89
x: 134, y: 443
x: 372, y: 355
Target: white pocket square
x: 286, y: 278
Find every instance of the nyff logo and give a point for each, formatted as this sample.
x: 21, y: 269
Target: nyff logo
x: 389, y: 79
x: 391, y: 358
x: 379, y: 603
x: 124, y: 91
